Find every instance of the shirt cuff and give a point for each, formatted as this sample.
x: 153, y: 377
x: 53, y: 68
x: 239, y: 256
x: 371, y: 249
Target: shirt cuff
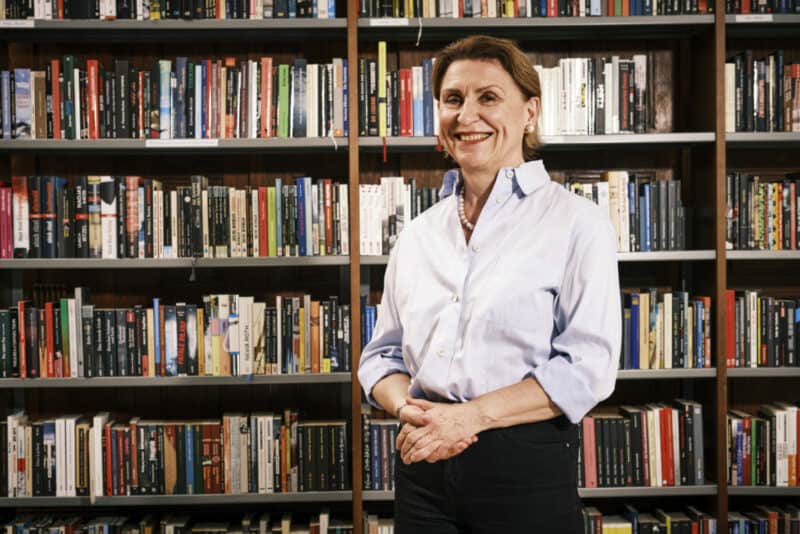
x: 566, y: 388
x: 370, y: 375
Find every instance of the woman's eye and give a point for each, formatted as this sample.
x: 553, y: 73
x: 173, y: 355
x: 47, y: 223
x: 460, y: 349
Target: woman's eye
x: 488, y: 97
x: 453, y: 100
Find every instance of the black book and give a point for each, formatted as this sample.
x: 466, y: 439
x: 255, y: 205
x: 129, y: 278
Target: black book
x: 35, y: 192
x: 122, y: 214
x: 133, y: 102
x: 180, y: 459
x: 187, y: 223
x: 98, y: 336
x: 121, y: 111
x: 31, y: 325
x: 38, y: 460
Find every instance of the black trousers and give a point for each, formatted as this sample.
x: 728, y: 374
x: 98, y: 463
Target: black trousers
x: 518, y: 479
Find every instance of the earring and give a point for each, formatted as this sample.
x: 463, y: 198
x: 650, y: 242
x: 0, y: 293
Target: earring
x: 530, y: 128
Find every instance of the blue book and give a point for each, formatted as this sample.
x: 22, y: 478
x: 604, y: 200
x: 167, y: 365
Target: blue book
x: 292, y: 7
x: 634, y: 304
x: 739, y: 453
x: 375, y: 451
x: 171, y: 339
x: 299, y: 112
x: 156, y: 336
x: 418, y: 115
x: 698, y: 331
x: 189, y: 435
x: 345, y: 90
x: 203, y: 118
x: 23, y: 102
x: 595, y: 9
x: 5, y: 94
x: 49, y: 442
x: 543, y: 8
x: 427, y: 97
x: 114, y: 462
x: 633, y: 211
x: 301, y: 216
x: 279, y: 217
x: 331, y: 10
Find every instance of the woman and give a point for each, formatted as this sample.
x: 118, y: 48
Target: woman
x: 499, y: 327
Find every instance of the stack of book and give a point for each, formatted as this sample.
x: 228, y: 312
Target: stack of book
x: 378, y: 447
x: 632, y: 521
x: 762, y: 331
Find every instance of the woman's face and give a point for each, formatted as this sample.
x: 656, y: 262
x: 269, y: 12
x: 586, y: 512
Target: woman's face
x: 483, y: 115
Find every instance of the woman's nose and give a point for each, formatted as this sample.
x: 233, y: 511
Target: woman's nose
x: 469, y: 112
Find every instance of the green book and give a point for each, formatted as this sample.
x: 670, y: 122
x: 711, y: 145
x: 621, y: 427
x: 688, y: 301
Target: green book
x: 283, y: 101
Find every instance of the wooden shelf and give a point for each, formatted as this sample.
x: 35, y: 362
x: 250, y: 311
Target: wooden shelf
x: 172, y: 146
x: 767, y: 25
x: 664, y: 374
x: 177, y: 500
x: 598, y: 493
x: 624, y: 257
x: 425, y: 144
x: 762, y: 139
x: 763, y: 372
x: 447, y: 29
x: 173, y: 30
x: 179, y: 263
x: 173, y: 381
x: 762, y: 255
x: 763, y: 491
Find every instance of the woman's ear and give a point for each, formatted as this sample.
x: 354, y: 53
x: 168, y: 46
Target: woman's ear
x: 533, y: 108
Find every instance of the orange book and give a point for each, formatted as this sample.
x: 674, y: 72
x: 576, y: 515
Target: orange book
x: 589, y: 453
x: 266, y: 97
x: 55, y: 89
x: 315, y: 337
x: 48, y: 370
x: 93, y: 113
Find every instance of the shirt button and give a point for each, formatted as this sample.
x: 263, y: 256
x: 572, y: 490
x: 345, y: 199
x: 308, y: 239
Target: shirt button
x: 476, y: 248
x: 454, y: 298
x: 498, y: 200
x: 509, y: 173
x: 440, y: 353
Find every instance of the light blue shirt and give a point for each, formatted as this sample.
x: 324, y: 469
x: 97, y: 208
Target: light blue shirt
x: 534, y: 293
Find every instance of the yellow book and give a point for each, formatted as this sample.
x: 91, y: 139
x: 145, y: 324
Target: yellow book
x: 381, y: 88
x: 151, y: 345
x: 201, y: 343
x: 271, y: 222
x: 509, y: 8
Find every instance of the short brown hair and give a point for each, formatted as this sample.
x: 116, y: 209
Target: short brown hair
x: 510, y: 57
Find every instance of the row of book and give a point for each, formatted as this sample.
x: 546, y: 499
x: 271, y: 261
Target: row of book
x: 762, y: 447
x: 135, y: 217
x: 385, y: 207
x: 168, y: 9
x: 645, y: 207
x: 226, y: 335
x: 530, y: 8
x: 762, y: 95
x: 762, y: 331
x: 182, y: 99
x: 763, y: 6
x: 630, y: 520
x: 102, y: 456
x: 653, y: 445
x: 664, y: 329
x: 247, y: 523
x: 763, y: 213
x: 580, y: 96
x: 378, y: 449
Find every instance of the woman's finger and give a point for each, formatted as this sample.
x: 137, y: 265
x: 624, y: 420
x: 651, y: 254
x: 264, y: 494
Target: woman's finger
x: 421, y: 454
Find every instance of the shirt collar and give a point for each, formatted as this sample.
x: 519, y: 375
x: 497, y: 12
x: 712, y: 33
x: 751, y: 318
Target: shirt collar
x: 527, y: 178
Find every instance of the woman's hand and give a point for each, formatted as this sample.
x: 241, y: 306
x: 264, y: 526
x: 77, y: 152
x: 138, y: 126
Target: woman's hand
x: 446, y: 430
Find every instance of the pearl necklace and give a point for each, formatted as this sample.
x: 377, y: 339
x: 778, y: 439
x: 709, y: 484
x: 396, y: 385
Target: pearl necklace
x: 462, y: 215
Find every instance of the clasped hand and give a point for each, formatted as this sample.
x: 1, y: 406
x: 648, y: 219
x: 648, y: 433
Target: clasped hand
x: 436, y: 431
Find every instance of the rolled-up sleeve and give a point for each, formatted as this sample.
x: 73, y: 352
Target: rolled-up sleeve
x: 383, y: 354
x: 582, y: 368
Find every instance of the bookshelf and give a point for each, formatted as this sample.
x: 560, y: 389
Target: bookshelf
x: 697, y: 149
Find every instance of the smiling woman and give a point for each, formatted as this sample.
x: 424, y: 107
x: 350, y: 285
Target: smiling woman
x: 500, y: 318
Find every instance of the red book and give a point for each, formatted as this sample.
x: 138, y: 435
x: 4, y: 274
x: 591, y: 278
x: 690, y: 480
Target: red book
x: 702, y: 6
x: 131, y: 217
x: 123, y: 454
x: 107, y: 456
x: 134, y: 457
x: 730, y: 327
x: 589, y: 453
x: 665, y: 420
x: 60, y: 9
x: 92, y: 67
x: 328, y: 192
x: 22, y: 340
x: 747, y: 478
x: 49, y: 342
x: 55, y: 89
x: 5, y: 221
x: 209, y: 76
x: 263, y: 236
x: 745, y: 6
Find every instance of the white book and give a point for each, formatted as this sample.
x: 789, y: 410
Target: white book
x: 60, y: 458
x: 676, y: 451
x: 614, y: 94
x: 311, y: 100
x: 173, y: 198
x: 609, y: 97
x: 307, y: 198
x: 344, y: 225
x: 730, y: 97
x: 140, y: 212
x: 254, y: 210
x: 108, y: 215
x: 198, y: 98
x: 72, y: 321
x: 11, y: 454
x: 255, y: 94
x: 96, y: 463
x: 245, y: 336
x: 76, y: 103
x: 70, y: 458
x: 270, y: 454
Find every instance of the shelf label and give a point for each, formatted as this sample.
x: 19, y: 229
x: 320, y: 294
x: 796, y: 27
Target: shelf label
x: 756, y: 17
x: 17, y: 23
x: 388, y: 22
x: 180, y: 143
